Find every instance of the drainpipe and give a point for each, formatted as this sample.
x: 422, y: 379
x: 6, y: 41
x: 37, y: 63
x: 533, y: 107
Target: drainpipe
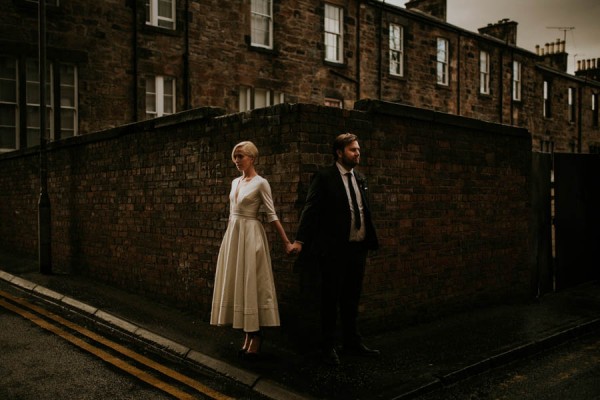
x: 358, y: 88
x: 186, y: 59
x: 44, y: 221
x: 458, y: 63
x: 512, y: 79
x: 380, y: 52
x: 579, y: 118
x: 501, y: 86
x: 135, y: 61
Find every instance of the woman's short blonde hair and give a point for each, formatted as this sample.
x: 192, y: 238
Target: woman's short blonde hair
x: 247, y: 148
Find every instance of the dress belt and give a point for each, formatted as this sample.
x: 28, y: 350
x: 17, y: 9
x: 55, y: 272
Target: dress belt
x: 244, y: 216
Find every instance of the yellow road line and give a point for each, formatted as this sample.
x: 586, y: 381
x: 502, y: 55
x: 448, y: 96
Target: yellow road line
x: 117, y: 362
x: 121, y: 349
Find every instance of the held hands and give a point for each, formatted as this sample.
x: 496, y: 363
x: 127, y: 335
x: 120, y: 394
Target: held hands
x: 289, y: 248
x: 296, y: 248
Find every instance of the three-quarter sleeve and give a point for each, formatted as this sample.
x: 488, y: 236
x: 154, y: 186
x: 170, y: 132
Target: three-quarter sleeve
x: 267, y: 200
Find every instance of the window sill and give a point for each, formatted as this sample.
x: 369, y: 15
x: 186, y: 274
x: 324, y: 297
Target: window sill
x: 263, y: 50
x: 160, y: 30
x: 334, y: 64
x: 401, y: 78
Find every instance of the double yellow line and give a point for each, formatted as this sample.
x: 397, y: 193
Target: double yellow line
x: 106, y: 356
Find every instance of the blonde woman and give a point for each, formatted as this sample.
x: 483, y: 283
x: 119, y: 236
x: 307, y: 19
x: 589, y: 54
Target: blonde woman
x: 244, y: 292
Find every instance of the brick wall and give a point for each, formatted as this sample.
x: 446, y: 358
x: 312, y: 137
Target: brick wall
x: 144, y: 206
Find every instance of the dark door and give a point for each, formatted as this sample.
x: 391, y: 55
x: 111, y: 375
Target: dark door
x: 577, y: 219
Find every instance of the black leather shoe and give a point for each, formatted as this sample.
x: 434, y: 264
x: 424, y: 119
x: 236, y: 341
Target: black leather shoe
x: 361, y: 350
x: 330, y: 357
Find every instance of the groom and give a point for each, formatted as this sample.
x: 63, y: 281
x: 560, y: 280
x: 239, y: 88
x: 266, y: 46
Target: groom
x: 336, y: 229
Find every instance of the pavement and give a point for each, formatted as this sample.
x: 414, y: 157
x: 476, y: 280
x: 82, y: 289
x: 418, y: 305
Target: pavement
x: 414, y: 361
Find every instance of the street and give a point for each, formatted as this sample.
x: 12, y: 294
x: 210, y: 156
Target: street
x: 49, y: 356
x: 567, y: 372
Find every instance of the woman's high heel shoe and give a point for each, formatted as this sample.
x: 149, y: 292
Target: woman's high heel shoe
x: 245, y: 346
x: 254, y: 347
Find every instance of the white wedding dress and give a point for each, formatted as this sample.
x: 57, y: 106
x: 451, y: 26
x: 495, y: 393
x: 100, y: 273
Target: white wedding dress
x: 244, y: 292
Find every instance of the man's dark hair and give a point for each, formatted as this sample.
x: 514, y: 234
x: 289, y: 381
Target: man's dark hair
x: 341, y: 141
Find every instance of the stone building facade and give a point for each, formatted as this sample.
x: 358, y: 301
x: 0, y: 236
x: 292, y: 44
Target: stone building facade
x: 118, y: 62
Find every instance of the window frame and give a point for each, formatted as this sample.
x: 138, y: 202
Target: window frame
x: 74, y: 108
x: 516, y: 81
x: 333, y: 40
x: 30, y: 105
x: 594, y: 107
x: 247, y: 98
x: 10, y: 104
x: 547, y: 99
x: 268, y: 17
x: 160, y: 96
x: 442, y: 63
x: 484, y: 72
x: 154, y: 19
x: 331, y: 102
x: 396, y: 45
x: 571, y: 104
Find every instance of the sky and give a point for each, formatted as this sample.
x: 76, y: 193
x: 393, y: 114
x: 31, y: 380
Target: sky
x: 533, y: 18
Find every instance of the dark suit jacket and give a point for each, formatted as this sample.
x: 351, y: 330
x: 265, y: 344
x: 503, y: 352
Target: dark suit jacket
x: 325, y: 220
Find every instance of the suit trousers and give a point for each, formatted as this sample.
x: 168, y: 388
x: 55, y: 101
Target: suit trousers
x: 341, y: 285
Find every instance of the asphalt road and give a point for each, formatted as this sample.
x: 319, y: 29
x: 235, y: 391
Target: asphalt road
x: 46, y: 354
x: 568, y: 372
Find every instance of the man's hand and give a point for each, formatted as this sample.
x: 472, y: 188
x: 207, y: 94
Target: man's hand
x: 296, y: 248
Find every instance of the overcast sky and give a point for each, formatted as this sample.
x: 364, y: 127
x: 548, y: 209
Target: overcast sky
x: 533, y: 17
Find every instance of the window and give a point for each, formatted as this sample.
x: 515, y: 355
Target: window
x: 546, y: 146
x: 484, y: 72
x: 571, y: 100
x: 262, y: 23
x: 160, y: 96
x: 160, y: 13
x: 442, y: 61
x: 68, y: 100
x: 516, y: 81
x: 547, y: 100
x: 32, y: 96
x: 9, y: 110
x: 334, y: 103
x: 333, y: 33
x: 251, y: 98
x: 396, y: 50
x: 13, y: 135
x: 595, y: 110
